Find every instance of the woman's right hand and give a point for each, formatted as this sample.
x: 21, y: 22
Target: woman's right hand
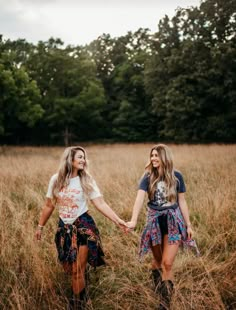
x: 38, y: 234
x: 130, y: 226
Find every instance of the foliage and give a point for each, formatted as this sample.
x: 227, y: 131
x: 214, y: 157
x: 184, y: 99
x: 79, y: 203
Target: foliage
x: 177, y: 84
x: 20, y: 97
x: 191, y: 75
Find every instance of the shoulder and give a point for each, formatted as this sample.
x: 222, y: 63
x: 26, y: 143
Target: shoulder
x: 144, y: 181
x: 180, y: 182
x: 54, y: 177
x: 178, y: 174
x: 92, y: 181
x: 145, y: 177
x: 50, y: 185
x: 95, y: 193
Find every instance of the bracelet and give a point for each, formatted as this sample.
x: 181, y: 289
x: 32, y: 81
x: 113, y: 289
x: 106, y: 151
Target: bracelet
x: 188, y: 224
x: 40, y: 227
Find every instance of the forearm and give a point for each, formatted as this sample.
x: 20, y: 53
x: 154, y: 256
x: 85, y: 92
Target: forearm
x: 136, y: 210
x: 104, y: 208
x: 137, y: 206
x: 185, y: 212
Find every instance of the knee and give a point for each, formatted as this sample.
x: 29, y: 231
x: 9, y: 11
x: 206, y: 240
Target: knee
x: 156, y: 263
x: 167, y: 265
x: 77, y: 274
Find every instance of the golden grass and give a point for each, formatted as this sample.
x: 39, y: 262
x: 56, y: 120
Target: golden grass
x: 30, y: 276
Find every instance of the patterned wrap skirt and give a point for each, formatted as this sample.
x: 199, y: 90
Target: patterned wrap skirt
x: 177, y: 231
x: 69, y: 237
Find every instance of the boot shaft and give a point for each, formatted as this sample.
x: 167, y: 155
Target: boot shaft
x: 156, y: 279
x: 166, y: 292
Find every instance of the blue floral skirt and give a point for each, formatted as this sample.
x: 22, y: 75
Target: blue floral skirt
x: 69, y: 237
x: 176, y: 230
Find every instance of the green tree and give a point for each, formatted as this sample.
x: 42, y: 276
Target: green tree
x: 121, y: 71
x: 191, y: 75
x: 68, y: 81
x: 20, y: 97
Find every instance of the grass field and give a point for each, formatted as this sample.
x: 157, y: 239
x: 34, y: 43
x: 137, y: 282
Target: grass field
x: 31, y: 277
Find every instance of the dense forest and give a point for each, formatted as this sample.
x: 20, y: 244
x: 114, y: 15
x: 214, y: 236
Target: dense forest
x: 178, y: 84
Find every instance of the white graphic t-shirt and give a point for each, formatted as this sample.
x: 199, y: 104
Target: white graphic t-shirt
x: 71, y: 200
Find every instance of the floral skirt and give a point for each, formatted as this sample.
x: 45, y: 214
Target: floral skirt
x: 177, y: 231
x: 69, y: 237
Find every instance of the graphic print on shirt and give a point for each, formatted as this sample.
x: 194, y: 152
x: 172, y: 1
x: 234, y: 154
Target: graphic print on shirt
x: 160, y: 194
x: 68, y: 202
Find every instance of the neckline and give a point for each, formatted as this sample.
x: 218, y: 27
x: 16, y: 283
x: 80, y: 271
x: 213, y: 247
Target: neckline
x: 74, y: 177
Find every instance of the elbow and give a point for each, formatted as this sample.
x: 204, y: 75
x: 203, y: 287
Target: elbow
x: 99, y: 203
x: 49, y: 204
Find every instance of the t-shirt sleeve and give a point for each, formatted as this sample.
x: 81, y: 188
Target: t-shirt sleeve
x: 50, y: 185
x: 144, y: 183
x: 181, y: 188
x: 95, y: 192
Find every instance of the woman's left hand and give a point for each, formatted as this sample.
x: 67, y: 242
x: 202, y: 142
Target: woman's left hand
x: 122, y: 224
x: 189, y: 232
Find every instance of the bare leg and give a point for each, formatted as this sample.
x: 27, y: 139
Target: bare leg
x: 168, y: 257
x: 78, y: 270
x: 157, y: 256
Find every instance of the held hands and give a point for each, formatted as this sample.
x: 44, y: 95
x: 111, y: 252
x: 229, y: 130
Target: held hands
x: 126, y: 226
x: 121, y: 224
x: 130, y: 226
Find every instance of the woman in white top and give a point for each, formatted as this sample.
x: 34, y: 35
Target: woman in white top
x: 77, y: 238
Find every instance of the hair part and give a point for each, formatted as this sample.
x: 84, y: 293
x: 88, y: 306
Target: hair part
x: 164, y: 173
x: 65, y: 171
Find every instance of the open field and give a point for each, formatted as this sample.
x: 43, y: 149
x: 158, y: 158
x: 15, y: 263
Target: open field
x: 30, y: 276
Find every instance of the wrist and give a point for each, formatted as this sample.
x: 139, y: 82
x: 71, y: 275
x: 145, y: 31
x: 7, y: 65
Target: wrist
x: 116, y: 220
x: 134, y: 222
x: 188, y: 224
x: 40, y: 227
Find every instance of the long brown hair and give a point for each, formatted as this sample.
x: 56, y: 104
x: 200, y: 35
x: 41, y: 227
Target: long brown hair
x: 165, y: 173
x: 65, y: 171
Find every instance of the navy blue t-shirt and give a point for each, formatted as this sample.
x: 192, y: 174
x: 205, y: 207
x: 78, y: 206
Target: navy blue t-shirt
x: 160, y: 199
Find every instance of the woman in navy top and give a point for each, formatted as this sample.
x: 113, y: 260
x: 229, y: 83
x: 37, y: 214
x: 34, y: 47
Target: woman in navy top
x: 168, y: 224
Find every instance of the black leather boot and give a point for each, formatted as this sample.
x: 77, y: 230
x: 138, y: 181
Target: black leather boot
x: 73, y: 302
x: 83, y: 299
x: 166, y: 292
x: 78, y: 302
x: 156, y: 279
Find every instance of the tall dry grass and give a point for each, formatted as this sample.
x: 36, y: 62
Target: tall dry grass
x: 30, y: 276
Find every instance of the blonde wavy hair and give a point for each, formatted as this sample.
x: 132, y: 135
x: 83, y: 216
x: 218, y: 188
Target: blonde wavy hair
x: 165, y: 173
x: 65, y: 172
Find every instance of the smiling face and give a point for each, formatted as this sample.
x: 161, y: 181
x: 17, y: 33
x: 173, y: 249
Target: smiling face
x: 155, y: 159
x: 78, y: 162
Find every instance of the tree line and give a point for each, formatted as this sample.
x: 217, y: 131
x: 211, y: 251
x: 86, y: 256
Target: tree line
x: 178, y: 84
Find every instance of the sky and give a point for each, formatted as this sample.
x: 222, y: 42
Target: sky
x: 78, y: 22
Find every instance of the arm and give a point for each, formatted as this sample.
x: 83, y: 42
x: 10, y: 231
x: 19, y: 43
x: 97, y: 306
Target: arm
x: 46, y: 213
x: 103, y: 207
x: 184, y: 209
x: 137, y: 208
